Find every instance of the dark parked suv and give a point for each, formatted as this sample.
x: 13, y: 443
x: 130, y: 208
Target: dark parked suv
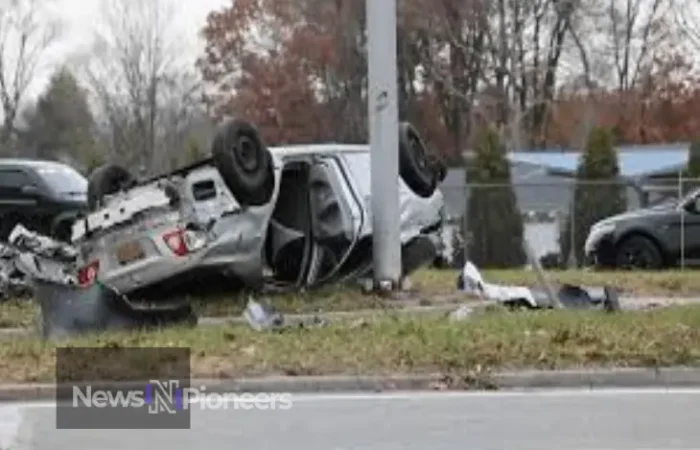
x: 44, y: 196
x: 651, y: 238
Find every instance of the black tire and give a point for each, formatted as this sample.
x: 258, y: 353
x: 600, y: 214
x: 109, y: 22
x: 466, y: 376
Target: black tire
x: 62, y: 227
x: 638, y: 252
x: 244, y: 162
x: 107, y: 180
x: 415, y: 167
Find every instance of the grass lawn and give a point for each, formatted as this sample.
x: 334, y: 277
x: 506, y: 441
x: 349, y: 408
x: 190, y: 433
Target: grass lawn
x: 493, y: 340
x: 428, y: 287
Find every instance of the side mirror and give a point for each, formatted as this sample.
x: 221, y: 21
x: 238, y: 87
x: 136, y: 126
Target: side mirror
x: 30, y: 190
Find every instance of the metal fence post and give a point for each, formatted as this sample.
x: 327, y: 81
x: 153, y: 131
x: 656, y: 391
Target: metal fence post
x: 571, y: 257
x: 682, y: 237
x: 464, y: 226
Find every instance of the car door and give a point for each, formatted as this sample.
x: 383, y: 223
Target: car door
x: 689, y: 223
x: 18, y: 200
x: 336, y: 220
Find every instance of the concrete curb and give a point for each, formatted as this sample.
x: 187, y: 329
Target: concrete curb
x: 600, y: 378
x: 671, y: 377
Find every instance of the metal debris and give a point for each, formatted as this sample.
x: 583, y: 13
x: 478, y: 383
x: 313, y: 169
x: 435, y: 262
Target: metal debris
x: 567, y: 296
x: 262, y: 317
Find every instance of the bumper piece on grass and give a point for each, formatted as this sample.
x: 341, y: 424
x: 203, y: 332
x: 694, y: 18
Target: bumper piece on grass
x: 570, y: 296
x: 68, y: 310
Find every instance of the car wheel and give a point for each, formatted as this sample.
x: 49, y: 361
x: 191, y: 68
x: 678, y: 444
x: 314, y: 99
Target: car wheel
x: 244, y: 162
x: 107, y: 180
x: 638, y: 252
x: 62, y: 228
x: 416, y: 168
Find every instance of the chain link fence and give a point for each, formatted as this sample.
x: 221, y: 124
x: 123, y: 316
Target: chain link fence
x: 556, y: 216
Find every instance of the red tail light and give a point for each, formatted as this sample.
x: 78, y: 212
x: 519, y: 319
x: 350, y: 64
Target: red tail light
x: 88, y: 274
x: 175, y: 240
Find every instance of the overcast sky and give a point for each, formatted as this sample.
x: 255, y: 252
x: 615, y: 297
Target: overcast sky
x: 79, y: 18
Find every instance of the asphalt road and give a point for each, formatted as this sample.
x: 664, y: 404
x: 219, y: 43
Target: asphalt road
x: 558, y: 420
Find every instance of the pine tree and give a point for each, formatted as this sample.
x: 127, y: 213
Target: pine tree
x: 494, y: 221
x: 61, y: 124
x: 598, y: 193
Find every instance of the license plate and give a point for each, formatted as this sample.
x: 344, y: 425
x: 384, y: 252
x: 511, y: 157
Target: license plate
x: 130, y: 252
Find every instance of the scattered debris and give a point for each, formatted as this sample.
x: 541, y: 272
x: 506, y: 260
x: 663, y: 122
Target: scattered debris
x: 25, y: 240
x: 264, y: 318
x: 569, y: 296
x: 260, y: 317
x: 13, y: 282
x: 461, y: 313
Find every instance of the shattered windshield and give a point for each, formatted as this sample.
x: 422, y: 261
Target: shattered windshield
x: 64, y: 179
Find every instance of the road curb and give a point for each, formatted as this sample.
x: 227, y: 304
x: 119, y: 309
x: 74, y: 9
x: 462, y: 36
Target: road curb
x: 672, y: 377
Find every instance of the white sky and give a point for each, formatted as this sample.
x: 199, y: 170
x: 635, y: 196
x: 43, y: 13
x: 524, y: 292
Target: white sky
x: 79, y: 18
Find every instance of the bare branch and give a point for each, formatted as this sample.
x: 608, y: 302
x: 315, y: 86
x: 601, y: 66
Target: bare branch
x: 25, y: 36
x: 140, y: 80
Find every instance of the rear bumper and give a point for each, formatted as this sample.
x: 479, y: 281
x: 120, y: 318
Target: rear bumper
x: 235, y: 253
x: 148, y: 272
x: 167, y: 273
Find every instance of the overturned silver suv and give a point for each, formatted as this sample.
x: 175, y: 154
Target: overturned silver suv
x: 298, y: 215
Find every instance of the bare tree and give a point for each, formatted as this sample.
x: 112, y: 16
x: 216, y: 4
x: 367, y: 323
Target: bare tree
x: 686, y: 17
x: 636, y: 29
x: 526, y: 48
x: 25, y: 37
x: 141, y: 81
x: 449, y: 38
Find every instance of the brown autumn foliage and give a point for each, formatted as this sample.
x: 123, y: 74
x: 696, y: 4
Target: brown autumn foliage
x: 297, y: 68
x: 661, y: 110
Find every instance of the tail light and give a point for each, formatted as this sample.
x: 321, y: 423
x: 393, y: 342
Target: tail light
x: 88, y: 274
x: 175, y: 240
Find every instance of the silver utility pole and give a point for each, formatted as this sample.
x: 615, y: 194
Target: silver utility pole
x: 384, y: 140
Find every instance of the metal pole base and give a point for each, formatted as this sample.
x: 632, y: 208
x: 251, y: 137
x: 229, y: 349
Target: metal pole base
x: 385, y: 287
